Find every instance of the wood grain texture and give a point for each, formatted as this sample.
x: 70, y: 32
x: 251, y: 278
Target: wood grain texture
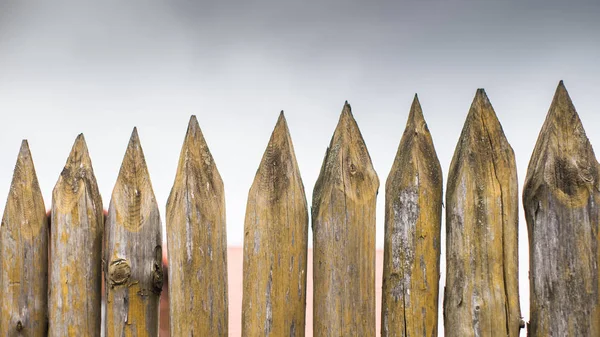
x: 560, y: 198
x: 275, y: 243
x: 481, y: 296
x: 343, y: 219
x: 197, y: 241
x: 413, y: 219
x: 76, y: 245
x: 24, y: 254
x: 133, y: 255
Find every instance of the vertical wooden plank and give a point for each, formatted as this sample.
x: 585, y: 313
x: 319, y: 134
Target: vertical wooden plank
x: 343, y: 218
x: 197, y: 241
x: 76, y: 246
x: 275, y: 243
x: 133, y: 254
x: 24, y: 254
x: 560, y: 198
x: 481, y: 296
x: 413, y: 219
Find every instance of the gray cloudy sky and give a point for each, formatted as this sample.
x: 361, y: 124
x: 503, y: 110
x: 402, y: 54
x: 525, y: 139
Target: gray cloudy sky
x: 103, y: 67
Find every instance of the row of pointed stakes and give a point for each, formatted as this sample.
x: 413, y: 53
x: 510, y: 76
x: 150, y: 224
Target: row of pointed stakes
x: 481, y: 296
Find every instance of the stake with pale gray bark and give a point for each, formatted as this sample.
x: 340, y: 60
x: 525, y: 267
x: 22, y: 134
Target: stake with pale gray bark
x: 413, y: 215
x: 197, y: 241
x: 275, y: 243
x: 343, y: 218
x: 133, y: 254
x: 560, y: 198
x: 481, y: 296
x: 76, y: 246
x: 24, y: 254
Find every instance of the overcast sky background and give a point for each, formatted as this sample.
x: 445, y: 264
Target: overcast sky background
x: 103, y: 67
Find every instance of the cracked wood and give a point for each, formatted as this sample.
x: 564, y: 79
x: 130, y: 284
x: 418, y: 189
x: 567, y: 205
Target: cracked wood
x: 481, y: 296
x: 413, y: 215
x: 560, y: 199
x: 133, y: 253
x: 343, y: 218
x: 197, y: 242
x: 275, y: 243
x: 24, y: 254
x: 76, y: 246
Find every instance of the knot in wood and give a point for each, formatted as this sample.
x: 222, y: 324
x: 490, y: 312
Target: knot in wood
x: 157, y: 271
x: 157, y: 278
x: 352, y: 169
x: 119, y: 272
x: 19, y: 326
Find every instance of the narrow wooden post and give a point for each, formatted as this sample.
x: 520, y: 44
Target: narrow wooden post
x: 343, y: 218
x: 561, y: 197
x: 275, y: 243
x: 133, y: 254
x: 413, y: 219
x: 76, y: 246
x: 481, y: 296
x: 197, y: 241
x: 24, y: 254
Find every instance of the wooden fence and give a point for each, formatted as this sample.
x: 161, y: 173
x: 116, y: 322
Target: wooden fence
x: 52, y: 277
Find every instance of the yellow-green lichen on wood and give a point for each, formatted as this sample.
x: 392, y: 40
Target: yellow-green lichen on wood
x: 343, y: 220
x: 413, y: 215
x: 197, y: 242
x: 24, y: 254
x: 275, y: 243
x: 481, y: 296
x: 560, y: 199
x: 76, y: 245
x: 133, y: 253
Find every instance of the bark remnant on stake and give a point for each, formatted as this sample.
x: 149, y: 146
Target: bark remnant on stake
x: 133, y: 255
x: 560, y: 199
x: 275, y: 243
x: 343, y: 218
x: 197, y: 241
x: 76, y: 246
x: 24, y: 254
x: 413, y: 215
x: 481, y: 296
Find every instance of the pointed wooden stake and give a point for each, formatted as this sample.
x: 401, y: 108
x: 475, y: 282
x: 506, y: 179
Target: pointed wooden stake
x: 197, y: 240
x: 481, y: 296
x: 343, y: 218
x: 133, y: 255
x: 275, y: 243
x: 76, y: 245
x: 413, y: 215
x: 561, y: 198
x: 24, y: 254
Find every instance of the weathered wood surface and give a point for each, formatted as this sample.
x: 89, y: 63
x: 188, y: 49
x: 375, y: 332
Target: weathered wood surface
x: 413, y: 215
x: 76, y: 245
x: 275, y: 243
x: 560, y: 198
x: 343, y: 218
x: 133, y: 253
x: 197, y: 242
x: 24, y: 254
x: 481, y: 295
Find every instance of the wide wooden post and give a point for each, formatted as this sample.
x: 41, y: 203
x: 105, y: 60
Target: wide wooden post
x: 24, y: 254
x: 275, y: 243
x: 561, y: 197
x: 413, y: 215
x: 197, y: 241
x: 133, y: 255
x: 481, y: 296
x: 343, y: 220
x: 76, y: 246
